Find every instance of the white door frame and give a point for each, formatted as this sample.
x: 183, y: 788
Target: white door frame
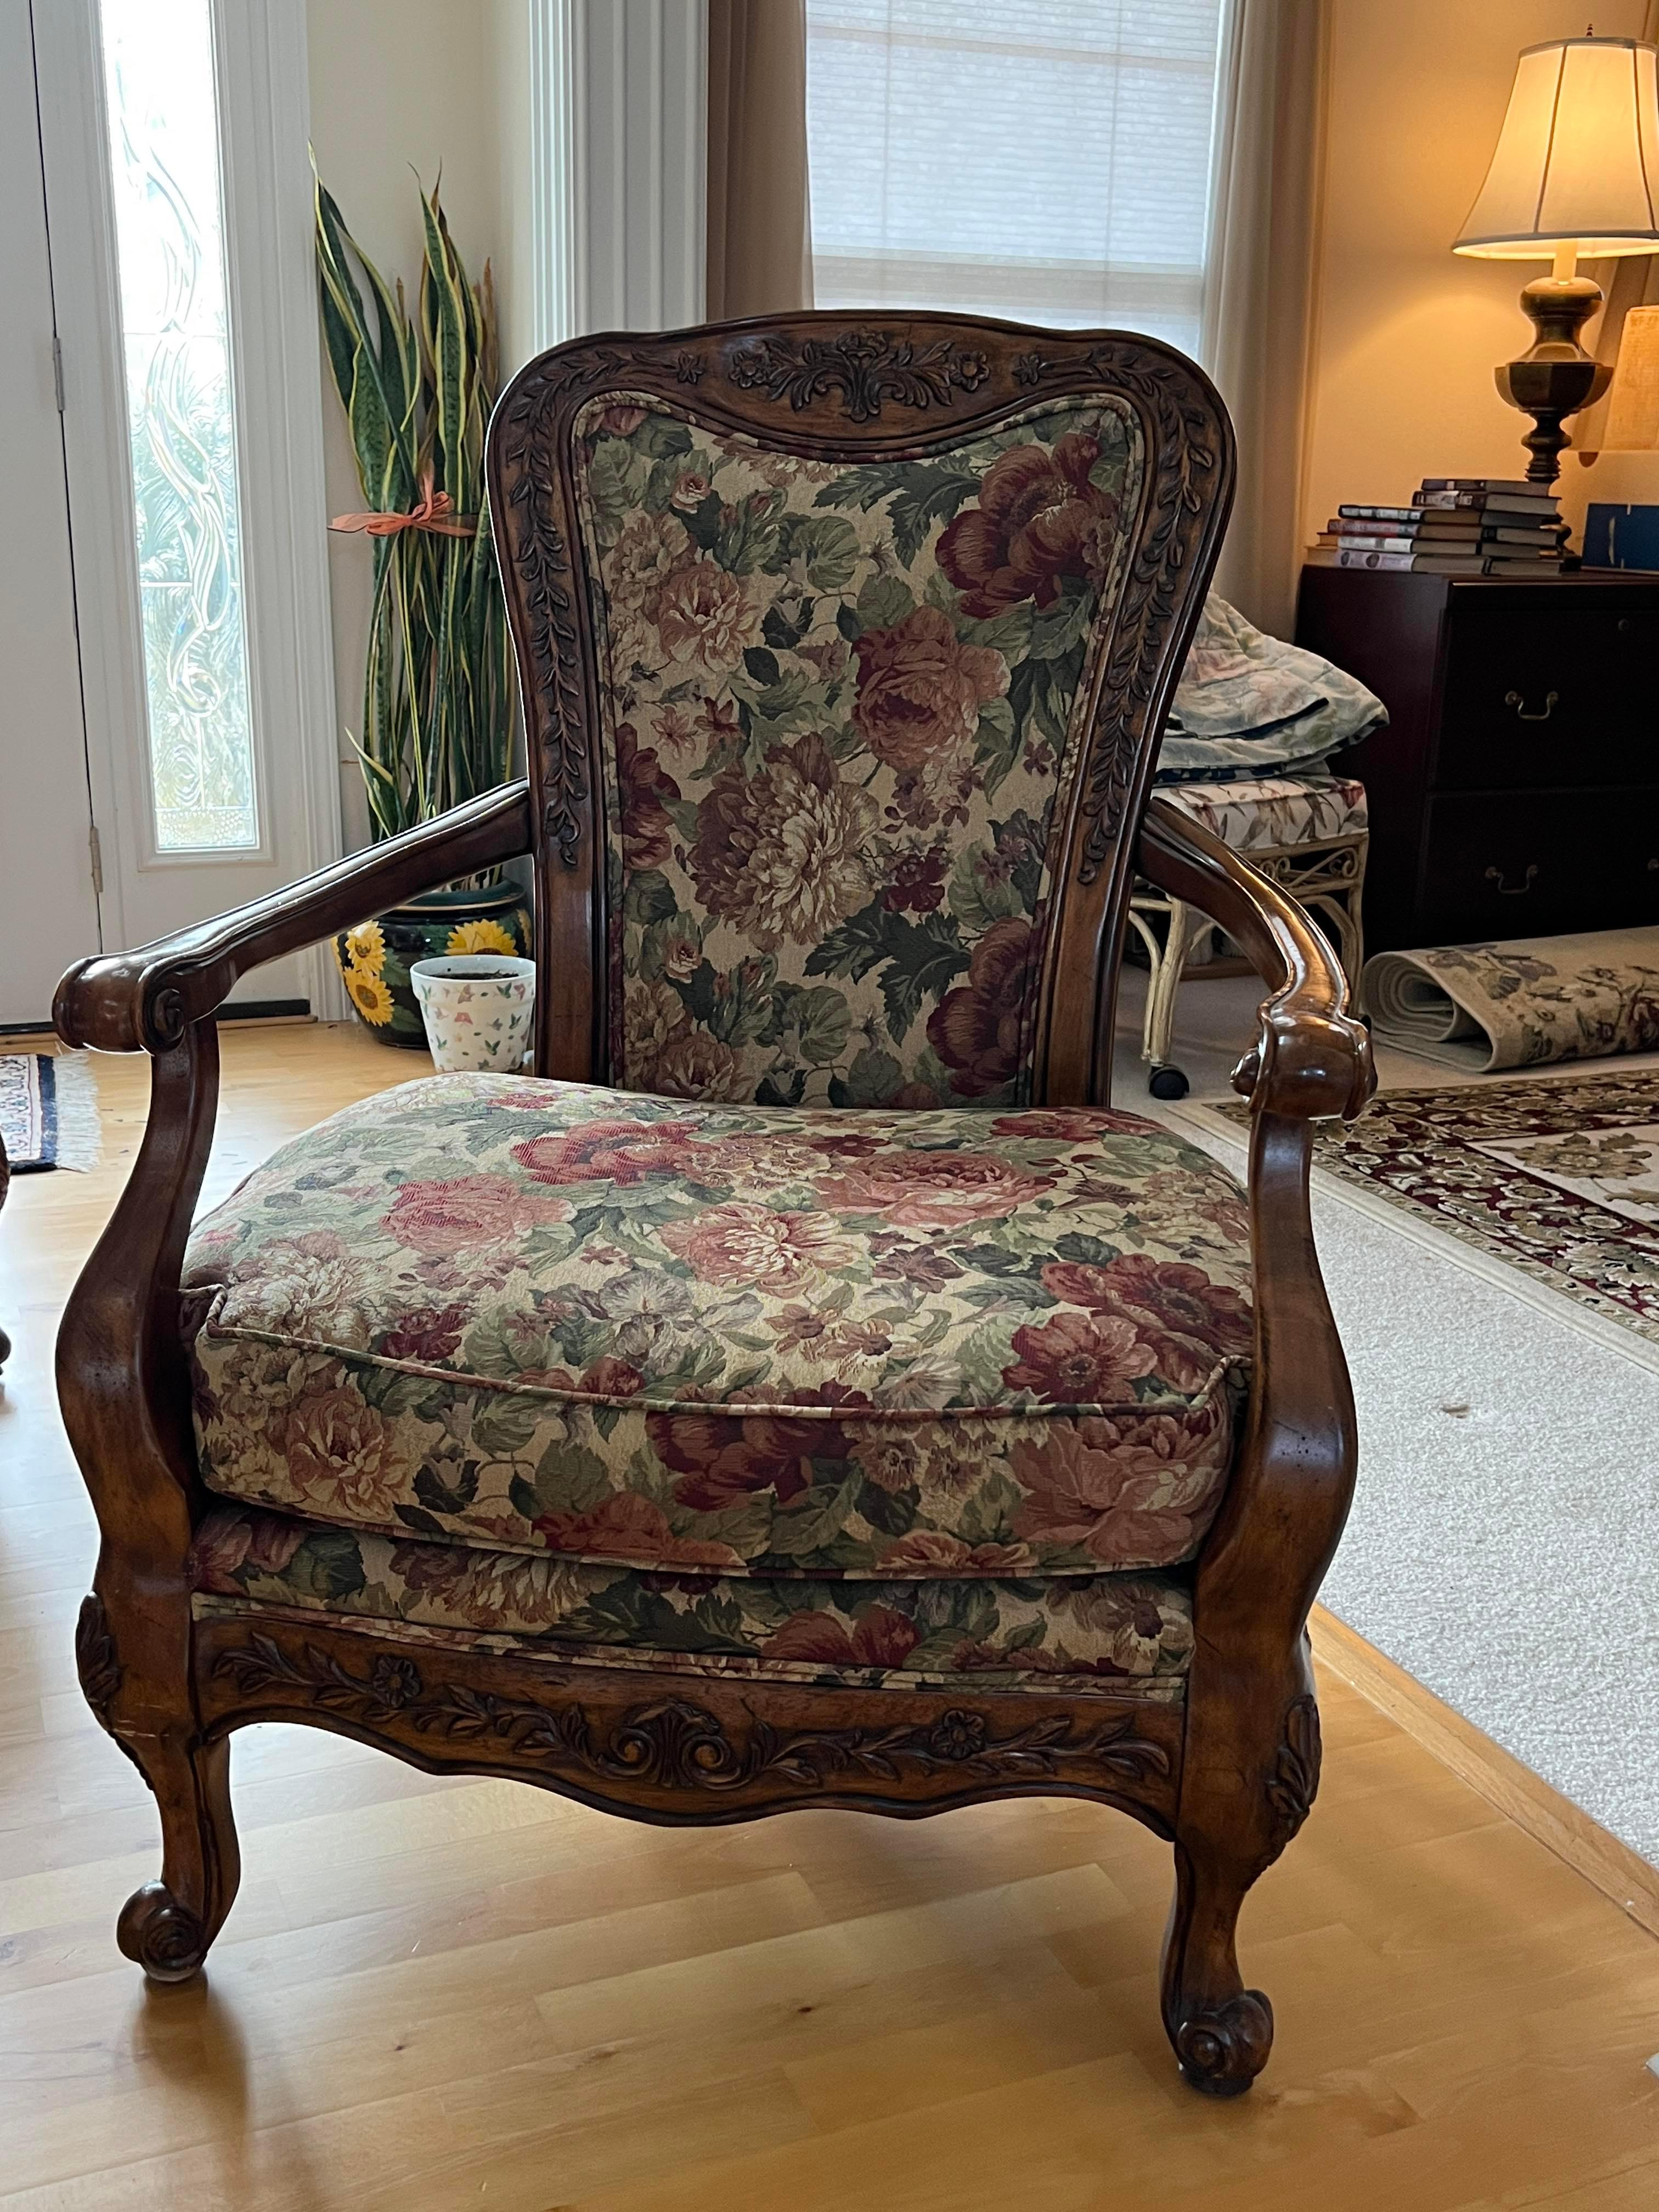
x: 48, y: 907
x: 264, y: 105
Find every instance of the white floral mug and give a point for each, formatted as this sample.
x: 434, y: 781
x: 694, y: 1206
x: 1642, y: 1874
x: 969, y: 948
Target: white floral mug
x: 477, y: 1008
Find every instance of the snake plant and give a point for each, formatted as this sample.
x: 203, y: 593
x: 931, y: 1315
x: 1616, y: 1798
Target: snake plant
x: 438, y: 691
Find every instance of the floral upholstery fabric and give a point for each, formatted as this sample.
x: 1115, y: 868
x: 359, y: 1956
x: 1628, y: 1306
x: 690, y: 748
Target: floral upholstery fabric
x: 837, y: 703
x: 1125, y: 1633
x: 633, y: 1331
x: 1275, y: 813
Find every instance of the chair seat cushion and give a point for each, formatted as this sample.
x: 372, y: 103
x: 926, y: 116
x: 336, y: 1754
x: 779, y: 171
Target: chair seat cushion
x: 734, y: 1339
x: 1128, y: 1634
x: 1274, y: 812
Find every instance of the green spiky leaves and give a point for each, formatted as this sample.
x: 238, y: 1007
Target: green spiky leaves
x: 438, y: 693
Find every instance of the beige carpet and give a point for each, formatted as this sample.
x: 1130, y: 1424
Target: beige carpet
x: 1506, y: 1521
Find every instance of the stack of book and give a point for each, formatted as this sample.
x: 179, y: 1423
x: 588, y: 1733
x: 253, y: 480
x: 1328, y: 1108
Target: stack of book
x: 1454, y: 526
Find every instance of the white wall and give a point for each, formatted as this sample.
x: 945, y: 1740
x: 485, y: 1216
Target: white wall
x: 1408, y: 332
x: 510, y: 102
x: 399, y: 85
x: 402, y: 84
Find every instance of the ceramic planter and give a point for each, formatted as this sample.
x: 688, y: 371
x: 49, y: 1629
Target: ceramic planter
x: 477, y: 1011
x: 376, y: 956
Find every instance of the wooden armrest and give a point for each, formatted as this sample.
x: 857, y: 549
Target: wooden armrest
x: 145, y: 1000
x: 1313, y: 1061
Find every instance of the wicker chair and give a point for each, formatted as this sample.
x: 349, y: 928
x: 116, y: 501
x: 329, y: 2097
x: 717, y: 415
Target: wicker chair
x: 805, y: 1389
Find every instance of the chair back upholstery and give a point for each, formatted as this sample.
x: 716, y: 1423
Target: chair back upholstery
x: 845, y: 644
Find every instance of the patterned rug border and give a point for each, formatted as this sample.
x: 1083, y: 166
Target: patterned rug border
x: 1527, y: 1106
x: 72, y: 1135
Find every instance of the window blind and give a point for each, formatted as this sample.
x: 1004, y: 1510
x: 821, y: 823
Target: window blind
x: 1045, y: 159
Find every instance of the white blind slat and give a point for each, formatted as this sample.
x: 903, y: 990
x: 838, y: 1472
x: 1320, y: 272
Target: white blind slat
x: 1044, y: 159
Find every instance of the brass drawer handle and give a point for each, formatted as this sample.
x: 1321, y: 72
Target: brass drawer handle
x: 1518, y: 700
x: 1496, y: 875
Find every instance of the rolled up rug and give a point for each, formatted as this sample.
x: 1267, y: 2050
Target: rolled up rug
x: 1489, y: 1007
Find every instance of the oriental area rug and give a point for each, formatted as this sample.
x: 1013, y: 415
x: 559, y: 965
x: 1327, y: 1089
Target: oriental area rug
x: 1558, y: 1179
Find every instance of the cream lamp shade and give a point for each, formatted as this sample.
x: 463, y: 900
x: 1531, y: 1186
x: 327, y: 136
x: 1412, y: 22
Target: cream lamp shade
x: 1577, y: 160
x: 1632, y: 417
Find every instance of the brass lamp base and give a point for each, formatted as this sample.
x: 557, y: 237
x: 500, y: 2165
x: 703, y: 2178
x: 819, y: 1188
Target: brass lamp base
x: 1555, y: 377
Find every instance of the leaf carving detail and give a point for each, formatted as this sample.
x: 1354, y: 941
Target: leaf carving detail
x: 1294, y: 1782
x: 96, y: 1661
x: 540, y: 556
x: 675, y: 1744
x: 866, y: 368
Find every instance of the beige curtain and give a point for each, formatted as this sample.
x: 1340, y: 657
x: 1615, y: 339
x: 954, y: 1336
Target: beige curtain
x: 760, y: 231
x: 1631, y: 281
x: 1259, y: 306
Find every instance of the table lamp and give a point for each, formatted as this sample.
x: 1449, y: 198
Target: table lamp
x: 1575, y: 171
x: 1618, y: 532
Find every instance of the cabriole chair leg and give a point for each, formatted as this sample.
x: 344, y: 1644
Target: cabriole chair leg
x: 167, y: 1926
x: 1222, y: 2032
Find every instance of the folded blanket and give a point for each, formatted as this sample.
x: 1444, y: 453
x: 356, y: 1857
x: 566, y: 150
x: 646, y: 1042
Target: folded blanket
x: 1487, y: 1007
x: 1250, y: 705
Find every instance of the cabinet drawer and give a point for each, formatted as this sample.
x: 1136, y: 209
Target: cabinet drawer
x: 1533, y: 864
x: 1553, y: 696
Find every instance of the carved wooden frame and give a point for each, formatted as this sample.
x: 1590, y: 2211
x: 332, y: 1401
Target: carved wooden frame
x: 1228, y: 1773
x: 834, y: 387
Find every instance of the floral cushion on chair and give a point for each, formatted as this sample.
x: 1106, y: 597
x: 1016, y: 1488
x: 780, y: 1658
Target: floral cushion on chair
x: 1275, y: 813
x: 836, y: 703
x: 1125, y: 1633
x: 538, y: 1317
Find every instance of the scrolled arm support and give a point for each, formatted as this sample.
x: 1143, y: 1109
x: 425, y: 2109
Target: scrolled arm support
x: 146, y: 1000
x: 1312, y: 1061
x: 1251, y: 1761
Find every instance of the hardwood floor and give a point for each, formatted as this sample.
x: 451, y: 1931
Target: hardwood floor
x: 439, y: 1994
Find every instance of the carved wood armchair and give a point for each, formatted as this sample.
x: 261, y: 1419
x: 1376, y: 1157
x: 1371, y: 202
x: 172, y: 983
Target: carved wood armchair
x: 816, y: 1394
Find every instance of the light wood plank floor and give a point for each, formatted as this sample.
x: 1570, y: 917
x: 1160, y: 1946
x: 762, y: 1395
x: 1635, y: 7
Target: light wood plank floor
x: 442, y: 1993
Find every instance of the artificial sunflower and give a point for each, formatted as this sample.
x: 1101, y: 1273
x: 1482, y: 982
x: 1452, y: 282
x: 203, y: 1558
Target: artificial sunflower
x: 481, y: 937
x: 369, y: 995
x: 365, y: 947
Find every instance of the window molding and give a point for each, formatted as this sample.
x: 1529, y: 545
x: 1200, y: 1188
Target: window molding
x: 619, y: 131
x: 558, y: 275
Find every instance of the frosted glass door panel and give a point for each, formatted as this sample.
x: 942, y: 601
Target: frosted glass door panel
x: 164, y: 169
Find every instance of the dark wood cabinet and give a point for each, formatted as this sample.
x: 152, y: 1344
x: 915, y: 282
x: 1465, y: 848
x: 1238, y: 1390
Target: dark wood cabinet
x: 1515, y: 790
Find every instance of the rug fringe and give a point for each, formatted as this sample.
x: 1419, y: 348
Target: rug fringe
x: 80, y: 1125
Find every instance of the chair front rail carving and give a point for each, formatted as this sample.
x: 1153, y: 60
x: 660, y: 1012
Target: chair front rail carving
x: 721, y: 1749
x: 96, y: 1663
